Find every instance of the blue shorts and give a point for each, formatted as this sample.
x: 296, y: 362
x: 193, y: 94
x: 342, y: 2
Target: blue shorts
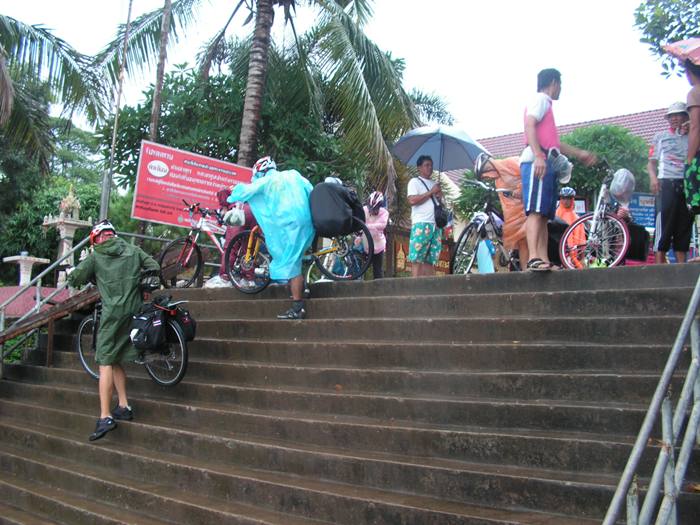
x: 539, y: 195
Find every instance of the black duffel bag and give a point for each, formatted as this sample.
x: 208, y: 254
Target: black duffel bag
x: 333, y: 208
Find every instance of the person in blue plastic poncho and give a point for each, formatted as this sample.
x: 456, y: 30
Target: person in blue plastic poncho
x: 279, y: 201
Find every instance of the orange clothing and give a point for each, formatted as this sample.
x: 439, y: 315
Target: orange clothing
x: 577, y: 239
x: 507, y: 176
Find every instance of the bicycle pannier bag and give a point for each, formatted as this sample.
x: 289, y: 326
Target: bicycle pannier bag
x: 333, y: 208
x: 186, y: 322
x: 148, y: 328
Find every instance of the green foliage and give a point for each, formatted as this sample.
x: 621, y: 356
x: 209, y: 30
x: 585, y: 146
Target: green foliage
x: 666, y: 21
x: 22, y: 229
x: 617, y: 146
x: 205, y: 117
x: 471, y: 199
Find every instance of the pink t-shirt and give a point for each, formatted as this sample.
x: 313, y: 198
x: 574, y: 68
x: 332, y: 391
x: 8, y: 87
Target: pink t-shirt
x: 546, y: 128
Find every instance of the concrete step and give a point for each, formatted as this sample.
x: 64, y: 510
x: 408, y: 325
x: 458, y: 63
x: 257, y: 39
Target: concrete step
x: 632, y: 330
x: 27, y: 491
x: 528, y: 448
x: 621, y: 418
x: 84, y: 481
x: 297, y: 495
x: 623, y: 278
x: 424, y: 356
x: 438, y: 356
x: 344, y: 442
x: 591, y: 385
x: 10, y: 515
x: 667, y: 301
x: 560, y: 385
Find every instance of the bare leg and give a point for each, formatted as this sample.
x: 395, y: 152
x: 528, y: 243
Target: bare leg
x: 681, y: 257
x: 296, y: 286
x: 106, y: 388
x: 660, y: 257
x: 532, y: 225
x: 120, y: 384
x: 415, y: 269
x: 543, y: 240
x: 523, y: 253
x: 428, y: 270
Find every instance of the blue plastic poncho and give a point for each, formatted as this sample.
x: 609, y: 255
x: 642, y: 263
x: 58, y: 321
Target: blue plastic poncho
x: 280, y: 203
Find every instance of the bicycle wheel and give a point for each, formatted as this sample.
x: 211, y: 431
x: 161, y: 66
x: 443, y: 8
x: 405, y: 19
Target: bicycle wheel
x: 167, y: 366
x: 249, y: 273
x: 180, y: 263
x: 580, y: 247
x: 85, y: 346
x: 463, y: 259
x: 345, y: 257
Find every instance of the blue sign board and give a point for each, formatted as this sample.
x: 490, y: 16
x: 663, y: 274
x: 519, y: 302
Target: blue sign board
x: 643, y: 209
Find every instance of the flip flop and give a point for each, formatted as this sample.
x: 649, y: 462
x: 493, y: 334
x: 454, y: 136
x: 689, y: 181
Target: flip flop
x: 538, y: 265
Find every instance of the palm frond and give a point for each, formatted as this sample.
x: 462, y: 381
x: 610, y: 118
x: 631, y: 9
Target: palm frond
x: 29, y: 127
x: 7, y: 90
x: 368, y: 95
x: 144, y: 39
x: 34, y: 52
x: 431, y: 108
x: 214, y: 46
x: 360, y: 11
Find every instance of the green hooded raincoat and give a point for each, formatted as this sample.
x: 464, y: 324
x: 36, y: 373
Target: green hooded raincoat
x: 116, y: 265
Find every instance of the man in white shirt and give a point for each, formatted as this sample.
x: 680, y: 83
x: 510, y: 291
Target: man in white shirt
x: 426, y: 238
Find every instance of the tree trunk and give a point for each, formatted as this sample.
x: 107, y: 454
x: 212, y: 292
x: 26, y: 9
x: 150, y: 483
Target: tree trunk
x: 164, y: 33
x: 158, y: 88
x: 255, y: 87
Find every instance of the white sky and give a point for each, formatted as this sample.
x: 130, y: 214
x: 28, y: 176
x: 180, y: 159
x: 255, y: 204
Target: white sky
x: 481, y: 57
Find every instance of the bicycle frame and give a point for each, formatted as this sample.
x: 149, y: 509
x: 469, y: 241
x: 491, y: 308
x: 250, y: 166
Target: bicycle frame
x: 202, y: 225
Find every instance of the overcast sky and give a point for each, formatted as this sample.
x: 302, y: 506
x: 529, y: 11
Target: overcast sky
x: 481, y: 57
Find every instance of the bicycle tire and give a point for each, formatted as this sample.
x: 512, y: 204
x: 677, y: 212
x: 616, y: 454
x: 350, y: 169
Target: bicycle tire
x: 349, y: 262
x: 247, y: 276
x: 168, y: 365
x: 175, y: 273
x: 464, y: 255
x: 83, y: 343
x: 605, y: 252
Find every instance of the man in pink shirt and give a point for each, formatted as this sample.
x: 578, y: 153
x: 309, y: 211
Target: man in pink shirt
x: 538, y: 177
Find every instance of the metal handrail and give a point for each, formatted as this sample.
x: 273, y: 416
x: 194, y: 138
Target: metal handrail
x: 666, y: 471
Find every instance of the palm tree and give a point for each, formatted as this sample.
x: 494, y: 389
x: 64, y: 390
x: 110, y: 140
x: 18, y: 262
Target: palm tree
x: 372, y: 106
x: 31, y: 54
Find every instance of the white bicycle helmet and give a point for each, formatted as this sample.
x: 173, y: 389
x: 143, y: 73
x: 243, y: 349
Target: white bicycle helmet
x: 567, y: 191
x: 262, y: 166
x: 375, y: 200
x: 480, y: 164
x: 99, y: 228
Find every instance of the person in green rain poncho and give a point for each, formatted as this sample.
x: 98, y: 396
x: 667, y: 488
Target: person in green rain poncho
x: 117, y: 267
x: 279, y: 201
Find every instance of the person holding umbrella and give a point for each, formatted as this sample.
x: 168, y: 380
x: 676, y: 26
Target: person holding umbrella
x: 425, y: 241
x: 539, y: 176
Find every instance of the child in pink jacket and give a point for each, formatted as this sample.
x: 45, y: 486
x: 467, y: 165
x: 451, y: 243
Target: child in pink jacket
x: 376, y: 218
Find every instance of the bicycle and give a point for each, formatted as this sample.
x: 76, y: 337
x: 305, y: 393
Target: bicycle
x: 598, y: 239
x: 485, y: 224
x: 181, y: 260
x: 166, y: 366
x: 339, y: 258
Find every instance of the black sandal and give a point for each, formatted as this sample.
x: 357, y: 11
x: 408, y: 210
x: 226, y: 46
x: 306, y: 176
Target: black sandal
x: 538, y: 265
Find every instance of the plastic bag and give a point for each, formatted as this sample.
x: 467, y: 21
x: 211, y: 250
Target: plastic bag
x: 622, y: 186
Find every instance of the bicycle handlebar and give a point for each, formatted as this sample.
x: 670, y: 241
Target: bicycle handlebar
x: 205, y: 212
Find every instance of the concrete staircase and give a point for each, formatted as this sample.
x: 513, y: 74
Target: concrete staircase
x: 503, y: 399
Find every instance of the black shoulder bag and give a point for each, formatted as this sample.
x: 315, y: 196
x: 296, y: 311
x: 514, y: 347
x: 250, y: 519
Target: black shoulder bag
x: 441, y: 215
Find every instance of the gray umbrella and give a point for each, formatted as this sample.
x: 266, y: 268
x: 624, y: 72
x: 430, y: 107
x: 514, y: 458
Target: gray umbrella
x: 450, y: 148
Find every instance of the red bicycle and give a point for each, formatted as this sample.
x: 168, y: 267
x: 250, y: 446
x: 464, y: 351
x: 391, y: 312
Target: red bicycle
x: 181, y: 261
